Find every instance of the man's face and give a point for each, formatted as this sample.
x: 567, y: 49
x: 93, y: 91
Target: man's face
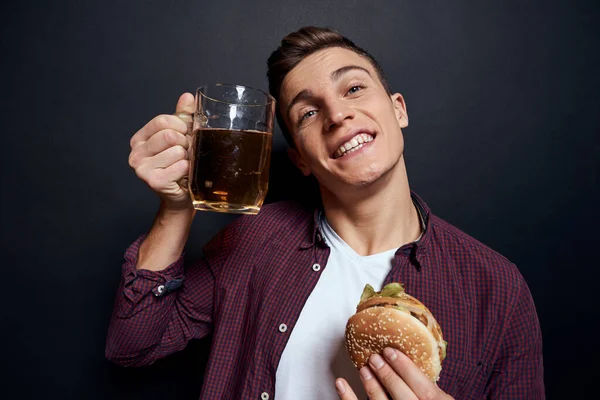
x: 346, y: 128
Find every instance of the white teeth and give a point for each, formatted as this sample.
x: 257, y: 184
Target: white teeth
x: 355, y: 148
x: 353, y: 144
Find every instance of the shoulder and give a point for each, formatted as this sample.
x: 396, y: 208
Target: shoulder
x: 479, y: 267
x: 281, y: 222
x: 277, y: 215
x: 462, y: 244
x: 284, y: 210
x: 275, y: 221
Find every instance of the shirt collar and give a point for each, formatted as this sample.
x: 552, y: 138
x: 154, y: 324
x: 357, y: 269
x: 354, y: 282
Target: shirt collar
x: 314, y: 235
x: 425, y: 214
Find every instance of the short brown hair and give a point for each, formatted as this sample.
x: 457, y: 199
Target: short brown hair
x: 295, y: 47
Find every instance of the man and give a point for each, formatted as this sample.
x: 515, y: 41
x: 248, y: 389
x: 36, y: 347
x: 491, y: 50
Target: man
x: 276, y: 289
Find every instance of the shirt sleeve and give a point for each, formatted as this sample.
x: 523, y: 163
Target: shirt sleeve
x: 149, y: 321
x: 156, y: 313
x: 518, y: 372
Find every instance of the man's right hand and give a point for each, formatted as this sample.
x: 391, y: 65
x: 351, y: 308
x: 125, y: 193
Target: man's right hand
x: 160, y: 155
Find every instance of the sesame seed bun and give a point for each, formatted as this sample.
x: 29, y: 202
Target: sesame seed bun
x: 401, y: 322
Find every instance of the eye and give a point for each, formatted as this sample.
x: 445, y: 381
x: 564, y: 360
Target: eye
x: 355, y: 89
x: 308, y: 114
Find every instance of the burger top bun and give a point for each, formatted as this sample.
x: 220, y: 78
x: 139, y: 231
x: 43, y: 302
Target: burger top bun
x: 392, y: 318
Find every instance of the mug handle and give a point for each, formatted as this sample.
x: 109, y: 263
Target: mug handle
x: 189, y: 120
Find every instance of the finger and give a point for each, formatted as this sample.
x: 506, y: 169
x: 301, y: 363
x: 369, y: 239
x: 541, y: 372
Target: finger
x: 162, y: 141
x: 158, y: 124
x: 418, y: 382
x: 185, y: 104
x: 344, y: 390
x: 168, y: 157
x: 185, y: 111
x: 373, y: 388
x: 176, y: 171
x: 161, y: 179
x: 389, y: 379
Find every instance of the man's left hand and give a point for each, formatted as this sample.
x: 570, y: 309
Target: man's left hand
x: 395, y: 377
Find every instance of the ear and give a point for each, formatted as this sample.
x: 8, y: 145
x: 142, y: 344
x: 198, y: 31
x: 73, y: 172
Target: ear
x: 298, y: 161
x: 400, y: 109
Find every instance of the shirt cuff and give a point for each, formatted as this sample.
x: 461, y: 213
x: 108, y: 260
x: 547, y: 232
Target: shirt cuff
x: 137, y: 284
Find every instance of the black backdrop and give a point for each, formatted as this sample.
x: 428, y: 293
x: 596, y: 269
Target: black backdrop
x: 503, y: 142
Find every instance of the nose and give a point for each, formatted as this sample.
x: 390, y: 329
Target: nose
x: 337, y: 113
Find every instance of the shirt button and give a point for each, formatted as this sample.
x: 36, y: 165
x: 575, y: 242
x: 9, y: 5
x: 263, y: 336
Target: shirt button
x: 282, y: 328
x: 264, y: 396
x: 316, y: 267
x: 161, y: 289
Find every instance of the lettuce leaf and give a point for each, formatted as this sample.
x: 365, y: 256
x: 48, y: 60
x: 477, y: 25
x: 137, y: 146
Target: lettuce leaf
x: 392, y: 290
x: 367, y: 293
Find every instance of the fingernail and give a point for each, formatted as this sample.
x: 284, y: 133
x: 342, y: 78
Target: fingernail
x: 376, y: 361
x: 365, y: 373
x: 390, y: 354
x: 341, y: 388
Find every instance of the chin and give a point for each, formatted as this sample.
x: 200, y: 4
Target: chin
x: 371, y: 175
x: 363, y: 177
x: 346, y: 183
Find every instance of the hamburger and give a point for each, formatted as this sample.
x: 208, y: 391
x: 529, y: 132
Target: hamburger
x: 393, y: 318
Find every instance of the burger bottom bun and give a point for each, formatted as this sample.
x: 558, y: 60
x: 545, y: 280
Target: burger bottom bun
x: 373, y: 329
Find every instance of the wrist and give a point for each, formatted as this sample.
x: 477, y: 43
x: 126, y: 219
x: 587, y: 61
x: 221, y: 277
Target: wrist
x: 170, y: 209
x: 167, y: 238
x: 174, y: 218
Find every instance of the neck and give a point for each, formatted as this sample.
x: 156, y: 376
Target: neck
x: 376, y: 218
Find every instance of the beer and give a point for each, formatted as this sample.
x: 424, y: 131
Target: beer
x: 229, y: 170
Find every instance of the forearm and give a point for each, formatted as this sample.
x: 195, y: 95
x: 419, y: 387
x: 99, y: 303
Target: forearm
x: 166, y: 240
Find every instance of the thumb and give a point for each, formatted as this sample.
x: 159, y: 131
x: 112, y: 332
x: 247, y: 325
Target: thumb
x: 185, y: 109
x: 185, y: 104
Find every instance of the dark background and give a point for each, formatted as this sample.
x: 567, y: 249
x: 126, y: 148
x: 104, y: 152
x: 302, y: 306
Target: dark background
x: 503, y: 143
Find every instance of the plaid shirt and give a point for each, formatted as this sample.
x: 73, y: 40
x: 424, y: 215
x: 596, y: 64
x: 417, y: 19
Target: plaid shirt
x: 255, y: 276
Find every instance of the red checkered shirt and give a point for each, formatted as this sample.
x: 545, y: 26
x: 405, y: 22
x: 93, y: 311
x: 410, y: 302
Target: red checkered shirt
x: 258, y: 272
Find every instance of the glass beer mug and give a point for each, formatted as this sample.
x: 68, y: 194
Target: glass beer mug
x: 232, y: 136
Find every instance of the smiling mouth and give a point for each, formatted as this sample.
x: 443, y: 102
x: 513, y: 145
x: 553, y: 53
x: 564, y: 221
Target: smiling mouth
x: 353, y: 144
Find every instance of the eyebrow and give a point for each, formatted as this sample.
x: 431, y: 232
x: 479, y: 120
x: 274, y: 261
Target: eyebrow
x: 304, y: 94
x: 335, y: 75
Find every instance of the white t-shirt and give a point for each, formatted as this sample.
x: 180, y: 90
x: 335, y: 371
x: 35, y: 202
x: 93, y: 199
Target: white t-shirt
x: 315, y: 354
